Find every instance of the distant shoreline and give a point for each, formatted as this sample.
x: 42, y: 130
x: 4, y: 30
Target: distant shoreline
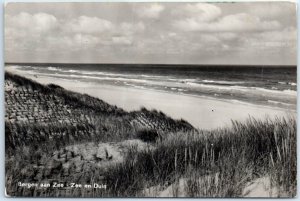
x: 158, y: 65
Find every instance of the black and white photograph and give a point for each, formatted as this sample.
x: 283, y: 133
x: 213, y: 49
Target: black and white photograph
x: 150, y: 99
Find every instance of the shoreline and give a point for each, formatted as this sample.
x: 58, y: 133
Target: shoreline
x: 201, y: 112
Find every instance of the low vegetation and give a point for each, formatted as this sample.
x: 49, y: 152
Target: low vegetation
x: 216, y: 163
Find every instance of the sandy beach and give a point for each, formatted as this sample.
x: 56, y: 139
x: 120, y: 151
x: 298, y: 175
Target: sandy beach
x: 201, y: 112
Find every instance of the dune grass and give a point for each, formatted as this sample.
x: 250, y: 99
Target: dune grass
x: 217, y: 163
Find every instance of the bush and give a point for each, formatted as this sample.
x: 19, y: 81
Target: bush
x: 54, y: 86
x: 148, y: 135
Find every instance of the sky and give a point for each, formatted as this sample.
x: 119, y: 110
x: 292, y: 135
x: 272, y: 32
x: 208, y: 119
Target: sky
x: 257, y: 33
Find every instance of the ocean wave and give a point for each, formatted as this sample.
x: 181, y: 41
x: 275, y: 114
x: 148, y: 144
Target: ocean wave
x: 217, y: 82
x: 292, y: 92
x: 217, y: 87
x: 104, y: 74
x: 222, y: 82
x: 12, y: 66
x: 244, y: 89
x: 241, y: 102
x: 94, y: 77
x: 288, y: 83
x: 65, y: 71
x: 281, y: 103
x: 193, y: 84
x: 109, y: 78
x: 53, y: 68
x: 82, y: 72
x: 270, y: 91
x: 183, y: 81
x: 154, y: 76
x: 139, y: 87
x: 285, y: 92
x: 18, y: 67
x: 72, y: 71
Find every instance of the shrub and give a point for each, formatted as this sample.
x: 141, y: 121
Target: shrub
x: 148, y: 135
x: 54, y: 86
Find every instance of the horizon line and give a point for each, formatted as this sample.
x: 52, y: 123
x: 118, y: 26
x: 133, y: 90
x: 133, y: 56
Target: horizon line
x: 162, y: 64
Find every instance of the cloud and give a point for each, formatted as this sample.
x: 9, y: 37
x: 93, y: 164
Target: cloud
x: 285, y: 38
x: 200, y: 12
x: 287, y: 34
x: 42, y: 31
x: 40, y: 22
x: 151, y: 11
x: 84, y: 41
x: 240, y: 22
x: 162, y: 32
x: 209, y: 38
x: 270, y: 10
x: 121, y: 40
x: 94, y: 26
x: 130, y: 28
x: 26, y: 31
x: 227, y: 36
x: 89, y: 25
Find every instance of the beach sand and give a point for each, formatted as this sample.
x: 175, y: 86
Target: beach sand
x: 201, y: 112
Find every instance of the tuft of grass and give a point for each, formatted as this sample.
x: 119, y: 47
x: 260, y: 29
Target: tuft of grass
x: 282, y: 167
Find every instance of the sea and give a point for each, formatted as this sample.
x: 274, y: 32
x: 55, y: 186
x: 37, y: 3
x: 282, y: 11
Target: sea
x: 274, y: 86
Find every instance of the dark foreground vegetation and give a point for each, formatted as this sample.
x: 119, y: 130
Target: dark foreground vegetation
x: 216, y: 163
x: 42, y: 122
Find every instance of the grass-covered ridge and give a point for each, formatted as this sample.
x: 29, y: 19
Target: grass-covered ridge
x: 38, y: 113
x: 52, y: 134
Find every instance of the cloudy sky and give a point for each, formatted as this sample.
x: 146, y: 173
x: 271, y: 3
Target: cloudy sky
x: 177, y: 33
